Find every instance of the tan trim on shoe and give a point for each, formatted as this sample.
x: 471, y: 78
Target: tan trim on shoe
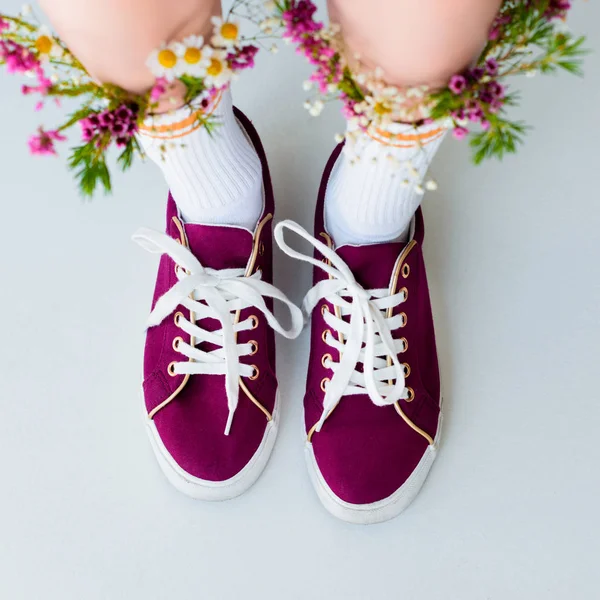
x: 393, y: 288
x: 184, y: 242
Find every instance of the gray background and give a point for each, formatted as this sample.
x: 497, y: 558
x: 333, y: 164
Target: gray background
x: 511, y: 507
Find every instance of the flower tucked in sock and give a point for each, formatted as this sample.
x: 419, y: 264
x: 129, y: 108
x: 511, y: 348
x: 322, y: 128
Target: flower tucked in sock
x: 215, y: 177
x: 377, y: 184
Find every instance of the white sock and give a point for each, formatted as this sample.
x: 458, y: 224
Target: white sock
x: 378, y: 182
x: 214, y: 178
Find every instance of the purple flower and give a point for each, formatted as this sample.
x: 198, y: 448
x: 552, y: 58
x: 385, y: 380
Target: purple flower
x: 457, y: 84
x: 242, y: 58
x: 491, y: 66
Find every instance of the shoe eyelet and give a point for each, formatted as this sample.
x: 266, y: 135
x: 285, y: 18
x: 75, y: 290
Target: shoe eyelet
x: 171, y: 369
x: 404, y: 319
x: 325, y: 333
x: 404, y: 344
x: 176, y: 341
x: 324, y: 383
x: 254, y: 345
x: 325, y: 358
x: 411, y: 394
x: 178, y: 315
x: 406, y: 369
x: 255, y: 373
x: 324, y: 309
x: 404, y: 291
x: 261, y: 248
x: 405, y: 270
x: 253, y: 321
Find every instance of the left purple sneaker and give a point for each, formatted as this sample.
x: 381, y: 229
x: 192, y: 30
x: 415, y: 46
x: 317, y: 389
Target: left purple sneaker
x: 210, y: 386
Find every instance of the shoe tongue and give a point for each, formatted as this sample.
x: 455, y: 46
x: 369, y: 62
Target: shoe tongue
x: 372, y: 265
x: 219, y: 246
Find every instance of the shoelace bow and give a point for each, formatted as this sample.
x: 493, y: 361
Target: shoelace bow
x: 366, y: 325
x: 210, y: 293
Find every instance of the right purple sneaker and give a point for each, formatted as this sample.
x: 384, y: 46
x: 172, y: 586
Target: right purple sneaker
x: 373, y: 403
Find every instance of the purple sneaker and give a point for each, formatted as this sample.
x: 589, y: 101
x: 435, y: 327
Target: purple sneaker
x: 210, y: 387
x: 372, y: 404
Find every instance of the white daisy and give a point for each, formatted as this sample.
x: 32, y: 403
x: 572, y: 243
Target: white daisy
x: 193, y: 56
x: 163, y: 62
x: 218, y: 73
x: 226, y: 33
x: 46, y: 44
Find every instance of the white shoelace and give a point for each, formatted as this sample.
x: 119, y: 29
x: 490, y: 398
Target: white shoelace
x: 366, y: 325
x: 216, y: 294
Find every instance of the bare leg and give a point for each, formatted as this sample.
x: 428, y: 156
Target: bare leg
x: 415, y: 43
x: 113, y: 38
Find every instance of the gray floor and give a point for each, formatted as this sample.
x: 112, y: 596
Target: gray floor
x: 510, y: 509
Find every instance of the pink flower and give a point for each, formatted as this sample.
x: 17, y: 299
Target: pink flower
x: 242, y: 58
x: 457, y: 84
x: 460, y: 133
x: 159, y: 88
x: 18, y: 59
x: 42, y: 144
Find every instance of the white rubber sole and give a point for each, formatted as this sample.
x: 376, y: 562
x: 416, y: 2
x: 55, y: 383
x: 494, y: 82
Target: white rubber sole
x: 202, y: 489
x: 382, y: 510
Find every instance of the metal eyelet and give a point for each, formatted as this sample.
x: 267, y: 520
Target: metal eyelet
x: 255, y: 373
x: 253, y: 321
x: 171, y: 369
x: 324, y: 383
x: 404, y: 291
x: 261, y: 248
x: 324, y: 309
x: 404, y: 319
x: 178, y: 340
x: 404, y: 344
x: 411, y: 394
x: 254, y: 345
x: 325, y: 358
x: 406, y: 369
x: 327, y: 331
x: 178, y: 315
x: 405, y: 270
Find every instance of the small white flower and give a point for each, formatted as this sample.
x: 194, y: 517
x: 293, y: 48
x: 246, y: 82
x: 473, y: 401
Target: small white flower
x: 317, y: 108
x: 46, y: 45
x: 331, y: 88
x: 269, y: 5
x: 54, y: 78
x: 218, y: 73
x: 193, y: 56
x: 419, y: 189
x: 226, y: 33
x: 274, y: 49
x: 307, y: 105
x: 431, y: 185
x: 26, y: 10
x: 163, y: 62
x: 531, y: 73
x: 339, y: 138
x: 307, y: 85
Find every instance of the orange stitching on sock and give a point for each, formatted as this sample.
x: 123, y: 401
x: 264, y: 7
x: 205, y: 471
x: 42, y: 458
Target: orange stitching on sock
x: 152, y: 131
x: 395, y: 139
